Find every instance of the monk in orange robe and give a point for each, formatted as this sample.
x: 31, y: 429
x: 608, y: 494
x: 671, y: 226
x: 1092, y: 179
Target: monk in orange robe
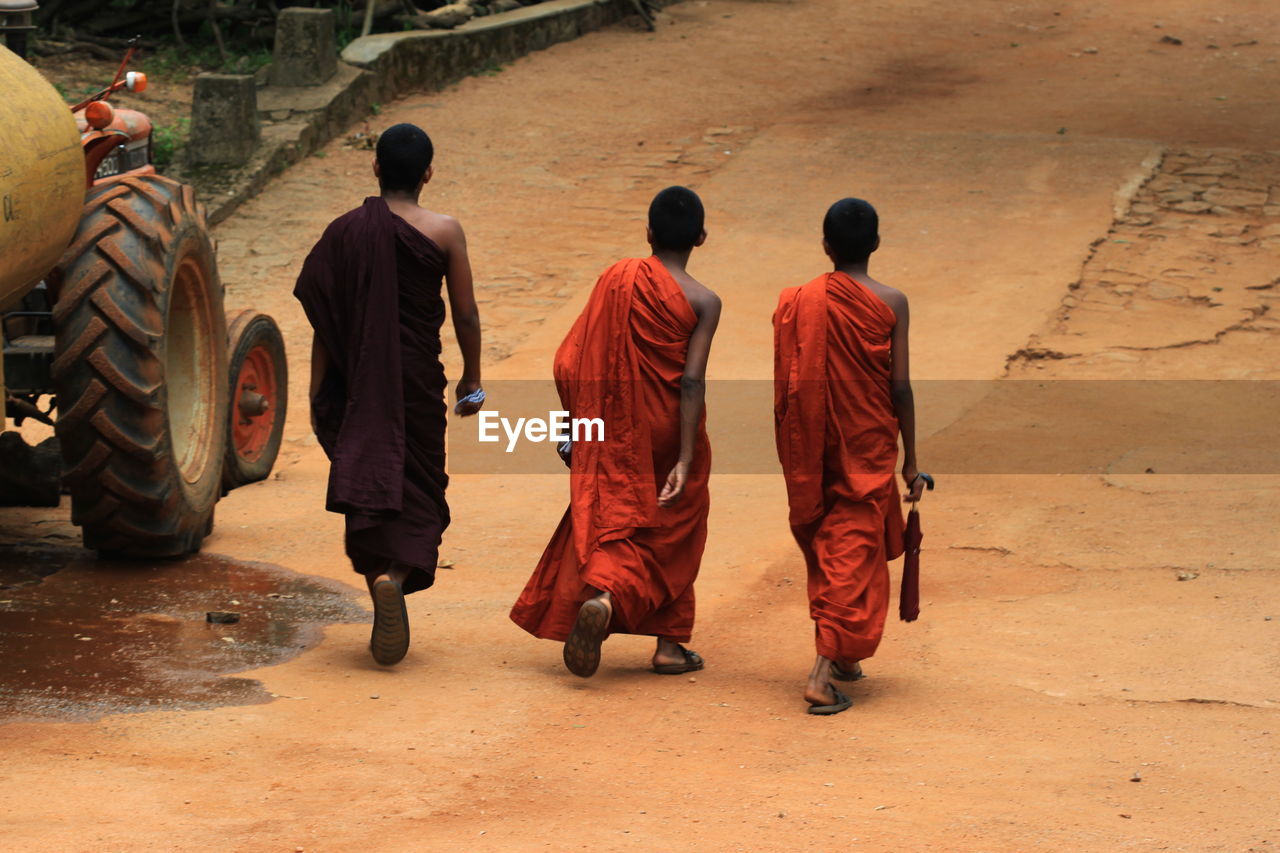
x: 842, y: 395
x: 628, y: 549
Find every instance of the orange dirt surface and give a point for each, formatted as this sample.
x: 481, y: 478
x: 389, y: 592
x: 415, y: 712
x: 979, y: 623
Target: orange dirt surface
x: 1097, y: 665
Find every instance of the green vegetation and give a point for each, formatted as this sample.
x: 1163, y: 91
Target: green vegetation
x: 168, y: 140
x: 180, y: 64
x: 347, y: 23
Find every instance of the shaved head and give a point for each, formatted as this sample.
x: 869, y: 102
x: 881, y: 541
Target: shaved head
x: 852, y: 230
x: 404, y: 154
x: 676, y: 219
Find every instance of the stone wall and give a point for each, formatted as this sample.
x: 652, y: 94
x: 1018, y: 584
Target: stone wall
x: 431, y: 59
x: 298, y: 120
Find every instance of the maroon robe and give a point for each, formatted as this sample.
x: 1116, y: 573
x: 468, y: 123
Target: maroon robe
x: 371, y: 289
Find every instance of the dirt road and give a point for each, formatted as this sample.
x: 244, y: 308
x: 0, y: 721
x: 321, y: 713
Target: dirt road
x: 1064, y: 689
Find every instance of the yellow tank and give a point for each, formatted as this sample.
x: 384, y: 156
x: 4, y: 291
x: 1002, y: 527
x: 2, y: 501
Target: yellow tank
x: 42, y: 182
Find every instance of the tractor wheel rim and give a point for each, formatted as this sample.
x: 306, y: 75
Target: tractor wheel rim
x: 252, y: 424
x: 190, y: 378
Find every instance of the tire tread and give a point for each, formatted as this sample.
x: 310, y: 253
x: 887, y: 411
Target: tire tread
x: 126, y: 493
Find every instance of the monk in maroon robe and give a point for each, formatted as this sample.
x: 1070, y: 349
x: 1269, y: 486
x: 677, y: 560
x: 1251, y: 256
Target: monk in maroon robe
x: 842, y: 394
x: 372, y: 290
x: 628, y: 549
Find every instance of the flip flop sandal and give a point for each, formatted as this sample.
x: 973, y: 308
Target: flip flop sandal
x: 582, y: 649
x: 842, y: 703
x: 389, y: 641
x: 855, y: 673
x: 692, y: 663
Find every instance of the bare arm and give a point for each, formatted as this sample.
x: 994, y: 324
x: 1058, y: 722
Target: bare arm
x: 904, y: 401
x: 693, y: 388
x: 466, y: 314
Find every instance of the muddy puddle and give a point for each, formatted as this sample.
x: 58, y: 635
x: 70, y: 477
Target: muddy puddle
x: 80, y: 637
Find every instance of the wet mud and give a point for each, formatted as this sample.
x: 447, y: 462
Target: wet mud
x: 81, y: 637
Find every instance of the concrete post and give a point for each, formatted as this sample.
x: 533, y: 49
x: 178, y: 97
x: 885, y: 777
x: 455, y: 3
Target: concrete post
x: 306, y: 50
x: 224, y: 119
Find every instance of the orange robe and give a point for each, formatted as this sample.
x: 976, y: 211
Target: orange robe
x: 622, y: 362
x: 837, y: 437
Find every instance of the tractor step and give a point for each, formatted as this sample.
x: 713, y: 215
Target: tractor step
x: 28, y: 364
x: 30, y: 345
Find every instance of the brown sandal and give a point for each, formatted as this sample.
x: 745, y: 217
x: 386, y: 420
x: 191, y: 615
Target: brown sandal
x: 389, y: 641
x: 841, y: 703
x: 582, y: 649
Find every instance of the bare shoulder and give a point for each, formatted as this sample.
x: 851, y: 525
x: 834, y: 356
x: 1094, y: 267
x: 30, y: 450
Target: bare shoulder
x: 894, y: 298
x: 703, y: 299
x: 441, y: 221
x: 442, y: 228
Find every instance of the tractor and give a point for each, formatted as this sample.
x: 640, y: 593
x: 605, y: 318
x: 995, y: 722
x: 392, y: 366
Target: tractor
x: 113, y: 324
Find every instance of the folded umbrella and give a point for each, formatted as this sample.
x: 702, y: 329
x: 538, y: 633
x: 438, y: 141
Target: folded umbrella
x: 909, y: 598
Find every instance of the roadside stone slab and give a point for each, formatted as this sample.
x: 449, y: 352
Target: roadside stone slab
x: 224, y: 118
x: 305, y: 48
x: 339, y: 95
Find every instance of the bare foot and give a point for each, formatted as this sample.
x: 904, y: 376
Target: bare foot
x: 819, y: 690
x: 392, y: 571
x: 823, y: 697
x: 671, y: 658
x: 668, y: 653
x: 847, y: 672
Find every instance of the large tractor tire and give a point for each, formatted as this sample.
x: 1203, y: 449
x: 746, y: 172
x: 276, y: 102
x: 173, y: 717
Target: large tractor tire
x: 140, y: 370
x: 259, y: 399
